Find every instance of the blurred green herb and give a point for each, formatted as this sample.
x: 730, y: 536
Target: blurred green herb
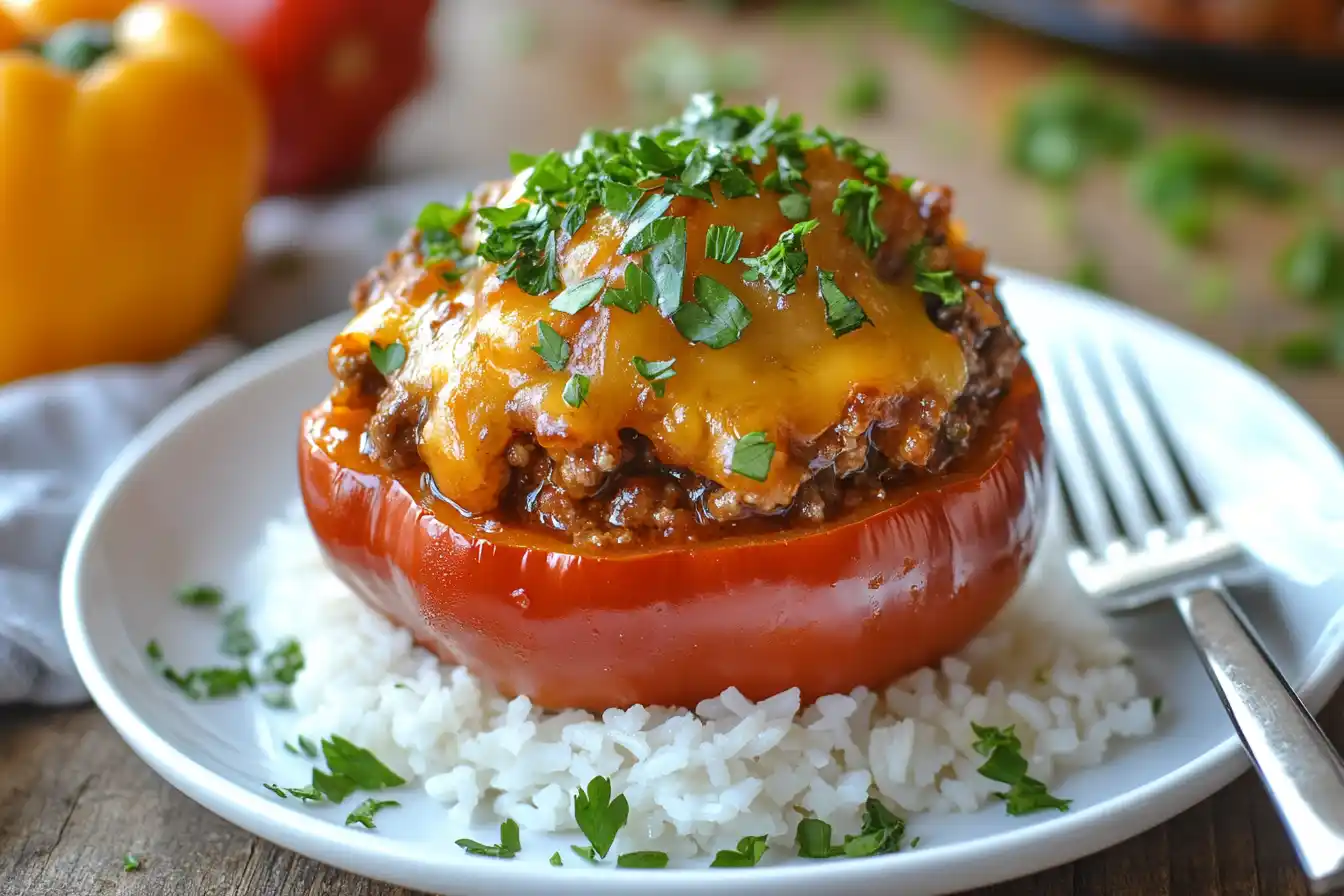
x: 1212, y: 289
x: 661, y: 74
x: 1064, y: 123
x: 1311, y: 266
x: 940, y: 24
x: 1179, y: 181
x: 862, y: 92
x: 1089, y: 273
x: 1310, y: 350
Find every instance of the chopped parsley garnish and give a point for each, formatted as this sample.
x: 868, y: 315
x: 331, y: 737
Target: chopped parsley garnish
x: 863, y: 92
x: 551, y: 346
x: 752, y: 455
x: 882, y: 832
x: 510, y: 843
x: 364, y: 812
x: 358, y: 764
x: 857, y: 203
x: 284, y: 662
x: 943, y: 284
x: 722, y: 242
x: 438, y: 224
x: 579, y: 296
x: 814, y: 840
x: 656, y: 373
x: 639, y: 289
x: 281, y: 699
x: 1006, y: 765
x: 555, y: 860
x: 202, y: 683
x: 598, y: 815
x: 587, y: 853
x: 748, y: 853
x: 1179, y: 181
x: 717, y: 318
x: 387, y: 359
x: 238, y: 640
x: 795, y: 206
x: 1310, y: 351
x: 784, y: 262
x: 200, y: 596
x: 645, y: 859
x: 351, y: 767
x: 130, y: 863
x: 640, y: 234
x: 843, y: 314
x: 1157, y: 704
x: 576, y: 390
x: 308, y: 747
x: 667, y: 263
x: 1059, y: 127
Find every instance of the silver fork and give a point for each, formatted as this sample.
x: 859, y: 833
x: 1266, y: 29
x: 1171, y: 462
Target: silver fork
x: 1140, y: 533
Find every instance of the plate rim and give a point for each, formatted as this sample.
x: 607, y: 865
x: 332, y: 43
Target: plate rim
x: 1077, y: 834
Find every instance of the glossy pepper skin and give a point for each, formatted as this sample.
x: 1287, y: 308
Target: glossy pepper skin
x: 857, y: 601
x: 124, y: 184
x: 333, y: 72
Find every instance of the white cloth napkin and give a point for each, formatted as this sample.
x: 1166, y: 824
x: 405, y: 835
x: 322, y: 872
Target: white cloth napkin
x: 57, y: 434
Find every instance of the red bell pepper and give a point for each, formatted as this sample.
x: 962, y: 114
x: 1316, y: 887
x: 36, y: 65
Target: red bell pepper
x: 333, y: 71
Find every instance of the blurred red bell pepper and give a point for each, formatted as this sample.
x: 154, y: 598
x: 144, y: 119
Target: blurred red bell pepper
x: 333, y: 71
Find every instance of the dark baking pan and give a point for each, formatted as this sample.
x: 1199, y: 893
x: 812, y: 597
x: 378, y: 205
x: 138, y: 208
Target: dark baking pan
x: 1278, y: 72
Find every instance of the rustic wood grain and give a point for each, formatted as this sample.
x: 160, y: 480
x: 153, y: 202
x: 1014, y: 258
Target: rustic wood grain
x: 74, y: 799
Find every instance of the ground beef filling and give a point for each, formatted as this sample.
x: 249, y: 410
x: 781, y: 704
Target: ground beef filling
x: 621, y: 494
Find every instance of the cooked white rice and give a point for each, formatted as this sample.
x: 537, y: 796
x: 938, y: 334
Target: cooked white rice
x: 699, y: 781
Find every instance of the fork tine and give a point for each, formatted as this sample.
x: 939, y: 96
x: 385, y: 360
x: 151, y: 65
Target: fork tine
x: 1091, y: 520
x: 1111, y: 465
x: 1155, y: 425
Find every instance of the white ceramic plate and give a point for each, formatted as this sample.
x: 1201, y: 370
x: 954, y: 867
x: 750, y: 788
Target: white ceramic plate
x: 188, y: 500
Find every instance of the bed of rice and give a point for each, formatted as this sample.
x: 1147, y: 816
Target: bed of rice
x: 697, y: 781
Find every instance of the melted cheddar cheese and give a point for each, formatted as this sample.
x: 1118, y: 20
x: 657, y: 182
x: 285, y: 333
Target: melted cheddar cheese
x: 470, y: 356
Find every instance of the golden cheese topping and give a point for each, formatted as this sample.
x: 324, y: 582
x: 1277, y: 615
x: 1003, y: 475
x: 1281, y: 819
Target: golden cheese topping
x: 471, y: 358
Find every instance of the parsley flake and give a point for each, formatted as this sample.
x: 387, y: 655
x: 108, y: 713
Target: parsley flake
x: 238, y: 640
x: 555, y: 860
x: 863, y: 92
x: 1311, y: 267
x: 579, y: 296
x: 645, y: 859
x: 202, y: 683
x: 748, y: 853
x: 722, y: 242
x: 882, y: 832
x: 667, y: 262
x: 857, y: 203
x: 843, y: 314
x: 752, y: 455
x: 437, y: 224
x: 784, y: 262
x: 943, y: 284
x: 510, y: 844
x: 587, y: 853
x: 576, y: 390
x: 656, y: 373
x: 284, y: 661
x: 1060, y: 126
x: 620, y: 199
x: 796, y: 206
x: 358, y: 764
x: 308, y: 747
x: 130, y: 863
x: 717, y: 318
x: 813, y: 838
x: 364, y: 812
x: 638, y: 291
x: 387, y: 359
x: 1006, y: 765
x: 200, y: 596
x: 551, y: 346
x: 598, y: 815
x: 640, y: 233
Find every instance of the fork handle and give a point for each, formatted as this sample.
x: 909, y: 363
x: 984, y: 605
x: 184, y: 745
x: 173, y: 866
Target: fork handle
x: 1301, y: 770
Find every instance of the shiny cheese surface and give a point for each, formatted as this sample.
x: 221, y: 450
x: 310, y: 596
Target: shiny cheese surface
x: 470, y: 356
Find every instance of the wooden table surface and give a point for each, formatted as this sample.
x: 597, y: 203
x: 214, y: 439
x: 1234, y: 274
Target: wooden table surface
x: 529, y: 75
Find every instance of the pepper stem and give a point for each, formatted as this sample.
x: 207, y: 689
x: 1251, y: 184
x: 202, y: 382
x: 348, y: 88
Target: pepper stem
x: 78, y: 45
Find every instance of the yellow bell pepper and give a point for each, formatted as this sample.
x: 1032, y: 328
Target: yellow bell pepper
x: 129, y: 156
